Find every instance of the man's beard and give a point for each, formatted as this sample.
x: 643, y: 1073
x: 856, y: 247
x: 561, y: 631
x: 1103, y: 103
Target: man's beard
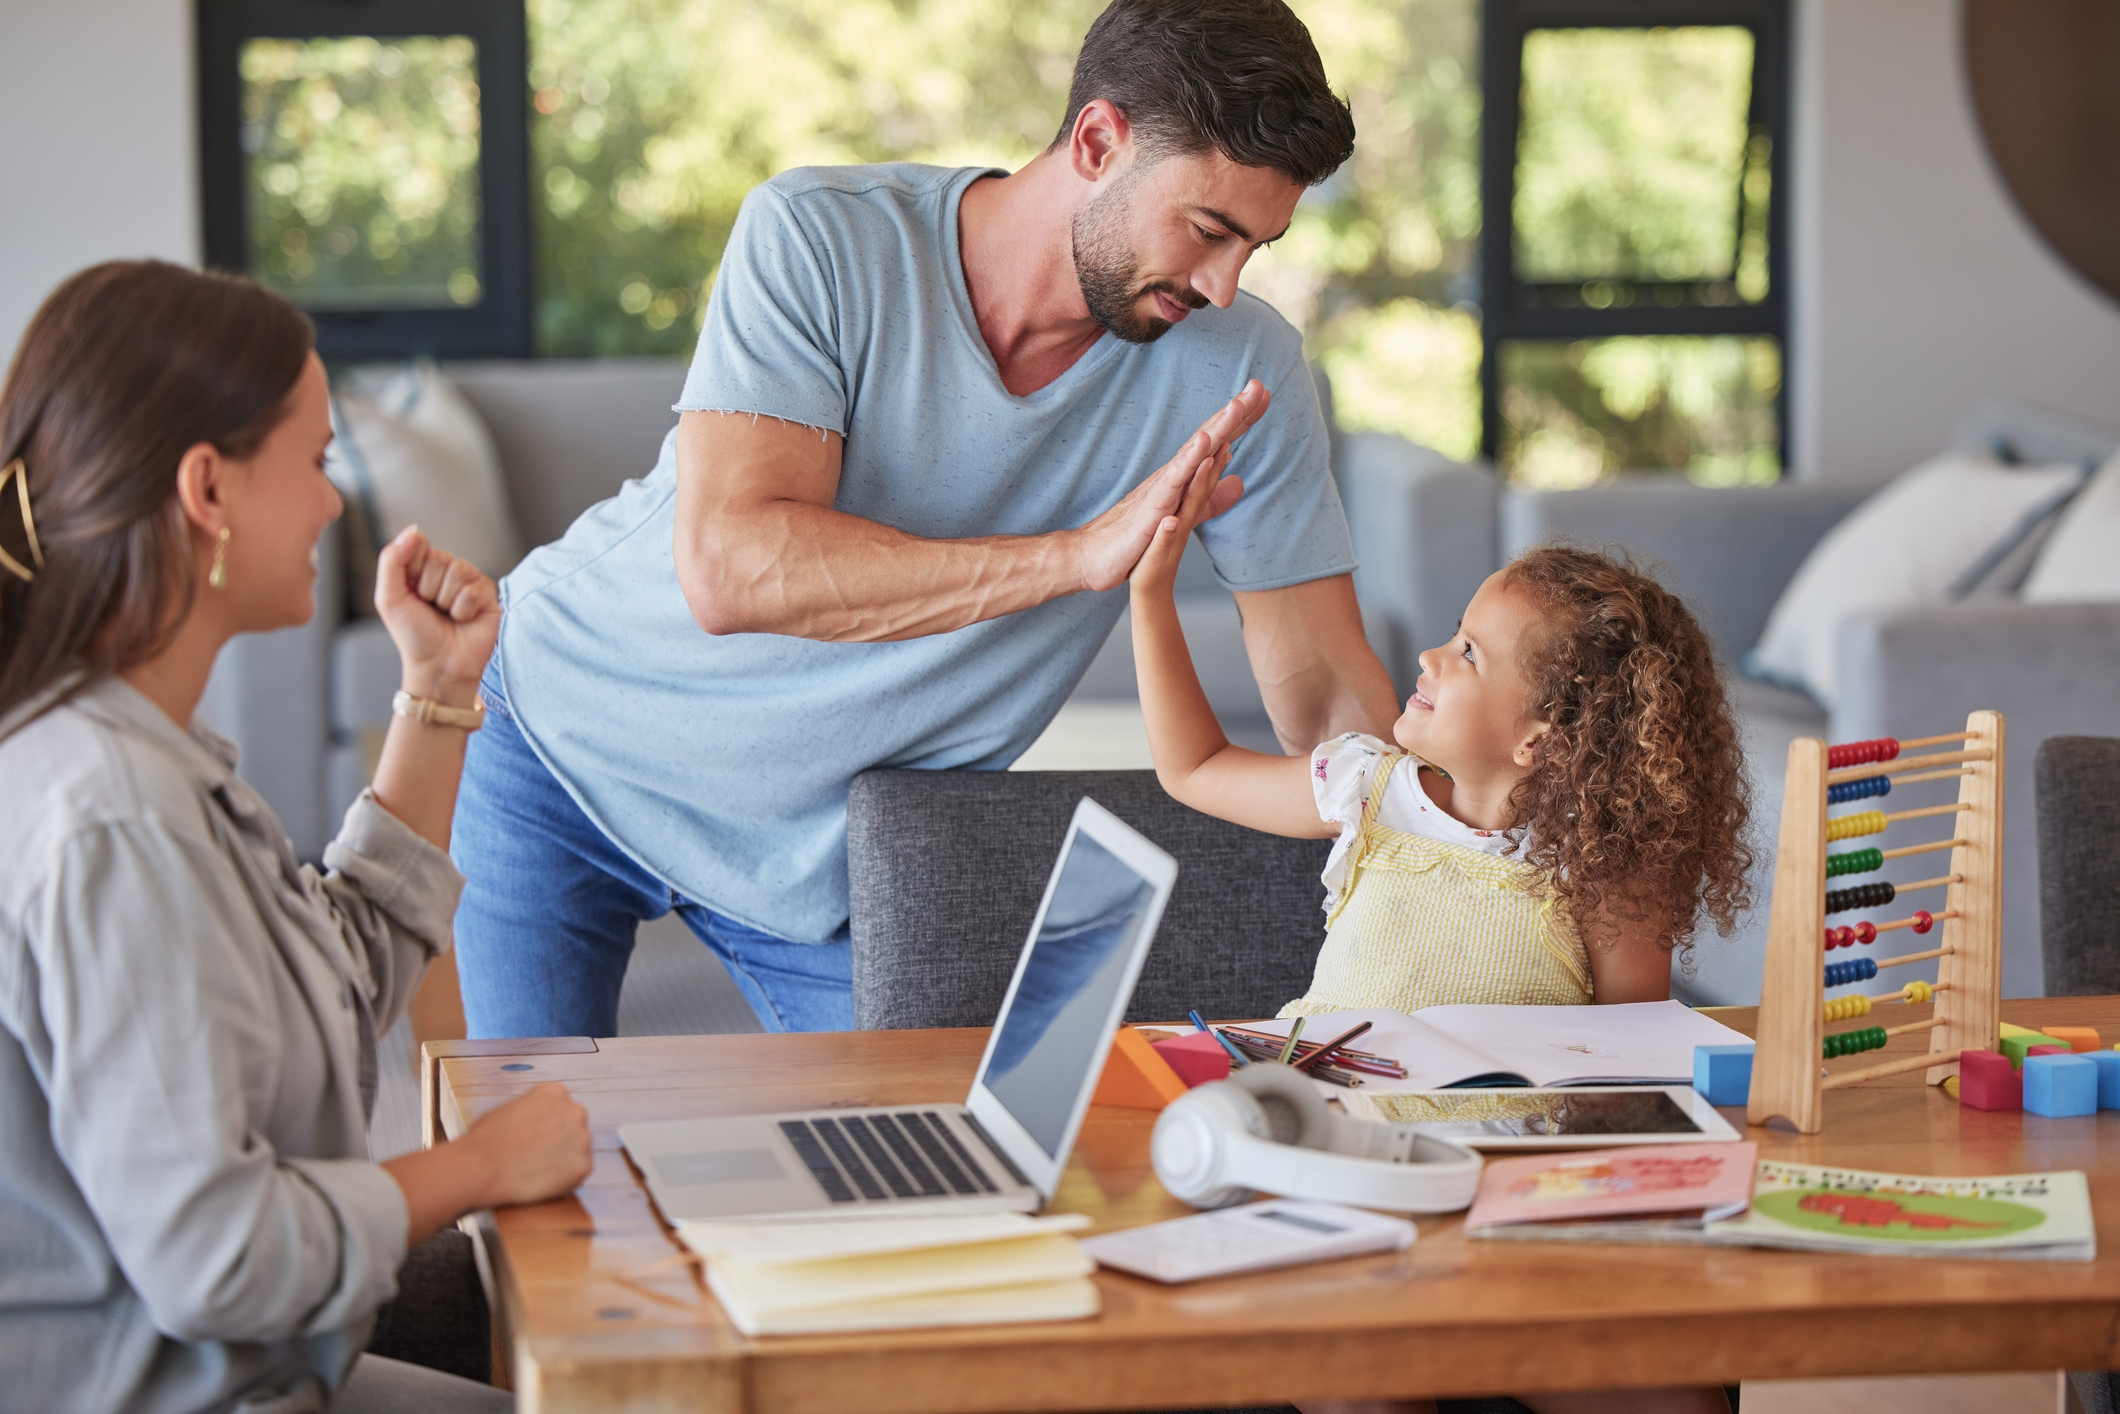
x: 1110, y: 275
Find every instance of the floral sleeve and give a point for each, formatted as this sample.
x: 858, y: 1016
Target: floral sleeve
x: 1341, y: 771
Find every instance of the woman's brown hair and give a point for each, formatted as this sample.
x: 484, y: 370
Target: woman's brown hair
x: 1637, y: 805
x: 125, y: 367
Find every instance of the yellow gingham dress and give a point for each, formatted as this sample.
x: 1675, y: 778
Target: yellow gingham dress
x: 1422, y: 922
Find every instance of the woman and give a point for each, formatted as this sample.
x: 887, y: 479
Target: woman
x: 188, y: 1214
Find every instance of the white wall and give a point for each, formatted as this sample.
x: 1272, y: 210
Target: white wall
x: 1919, y: 287
x: 100, y: 155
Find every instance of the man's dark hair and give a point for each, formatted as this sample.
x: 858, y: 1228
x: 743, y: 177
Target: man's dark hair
x: 1240, y: 77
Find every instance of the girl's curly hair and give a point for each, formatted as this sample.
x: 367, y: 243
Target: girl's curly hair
x: 1637, y: 806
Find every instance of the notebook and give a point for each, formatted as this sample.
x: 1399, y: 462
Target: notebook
x: 1630, y: 1043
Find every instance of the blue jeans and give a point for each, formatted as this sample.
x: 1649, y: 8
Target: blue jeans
x: 546, y: 924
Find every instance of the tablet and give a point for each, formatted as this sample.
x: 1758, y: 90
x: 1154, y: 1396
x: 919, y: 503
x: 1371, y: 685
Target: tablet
x: 1574, y: 1117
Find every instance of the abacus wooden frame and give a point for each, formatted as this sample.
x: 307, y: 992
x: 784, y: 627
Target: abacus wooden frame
x: 1786, y: 1080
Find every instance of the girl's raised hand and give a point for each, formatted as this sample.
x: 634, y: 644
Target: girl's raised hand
x: 1157, y: 568
x: 443, y: 614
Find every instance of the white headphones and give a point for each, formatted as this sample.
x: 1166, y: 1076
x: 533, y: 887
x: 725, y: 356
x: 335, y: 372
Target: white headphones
x: 1266, y: 1129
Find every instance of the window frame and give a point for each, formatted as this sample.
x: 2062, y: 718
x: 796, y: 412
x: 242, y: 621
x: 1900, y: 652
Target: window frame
x: 1506, y: 313
x: 500, y: 324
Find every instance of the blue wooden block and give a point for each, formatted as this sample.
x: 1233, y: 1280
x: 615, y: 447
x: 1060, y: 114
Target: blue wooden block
x: 2108, y: 1063
x: 2060, y: 1086
x: 1724, y: 1073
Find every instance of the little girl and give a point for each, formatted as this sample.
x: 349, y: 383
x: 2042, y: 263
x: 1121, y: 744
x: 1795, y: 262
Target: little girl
x: 1561, y: 800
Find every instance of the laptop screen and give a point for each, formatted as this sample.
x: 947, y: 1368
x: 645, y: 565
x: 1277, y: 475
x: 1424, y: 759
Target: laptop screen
x: 1058, y: 1024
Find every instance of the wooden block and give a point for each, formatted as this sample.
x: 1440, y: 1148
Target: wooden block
x: 2060, y: 1085
x: 1987, y: 1081
x: 2009, y: 1030
x: 1724, y: 1073
x: 2016, y: 1047
x: 2108, y: 1063
x: 2079, y: 1038
x: 1135, y: 1076
x: 1197, y: 1059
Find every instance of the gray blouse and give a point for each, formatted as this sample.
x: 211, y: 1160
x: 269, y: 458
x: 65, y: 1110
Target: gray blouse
x: 189, y: 1219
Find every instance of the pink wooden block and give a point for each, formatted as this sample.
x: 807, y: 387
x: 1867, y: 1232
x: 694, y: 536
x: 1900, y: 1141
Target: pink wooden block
x: 1198, y: 1058
x: 1987, y: 1082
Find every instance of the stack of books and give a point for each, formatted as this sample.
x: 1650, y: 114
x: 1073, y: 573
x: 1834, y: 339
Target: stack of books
x: 809, y: 1278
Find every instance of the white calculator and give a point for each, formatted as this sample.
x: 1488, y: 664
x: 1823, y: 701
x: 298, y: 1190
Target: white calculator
x: 1280, y: 1232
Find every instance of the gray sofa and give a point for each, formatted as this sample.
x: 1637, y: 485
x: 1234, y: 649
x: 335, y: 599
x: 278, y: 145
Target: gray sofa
x: 1429, y: 530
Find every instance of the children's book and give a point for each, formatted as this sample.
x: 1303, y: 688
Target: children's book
x: 807, y: 1278
x: 1612, y: 1193
x: 2039, y: 1216
x: 1631, y: 1043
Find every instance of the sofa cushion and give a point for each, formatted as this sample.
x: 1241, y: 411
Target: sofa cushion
x: 1903, y: 548
x: 2080, y: 562
x: 410, y: 450
x: 571, y: 431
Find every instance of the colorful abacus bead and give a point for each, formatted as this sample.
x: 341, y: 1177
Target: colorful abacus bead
x: 1875, y: 895
x: 1848, y: 1043
x: 1866, y: 932
x: 1923, y: 921
x: 1862, y: 822
x: 1859, y: 861
x: 1840, y: 974
x: 1862, y: 753
x: 1847, y: 1008
x: 1917, y: 992
x: 1858, y: 790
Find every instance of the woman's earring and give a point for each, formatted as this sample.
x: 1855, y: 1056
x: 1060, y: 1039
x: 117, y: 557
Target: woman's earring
x: 218, y: 575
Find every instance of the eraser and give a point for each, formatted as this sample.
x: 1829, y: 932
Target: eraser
x: 2060, y: 1086
x: 1987, y: 1081
x: 1723, y: 1073
x: 2079, y: 1038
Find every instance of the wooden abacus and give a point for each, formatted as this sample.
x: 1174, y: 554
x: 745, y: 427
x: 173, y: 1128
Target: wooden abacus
x: 1787, y: 1083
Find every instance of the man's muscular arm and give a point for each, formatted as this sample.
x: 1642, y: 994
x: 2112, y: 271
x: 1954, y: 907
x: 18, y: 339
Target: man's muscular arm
x: 1317, y: 672
x: 759, y: 548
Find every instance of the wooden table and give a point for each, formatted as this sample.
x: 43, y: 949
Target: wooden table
x: 597, y: 1317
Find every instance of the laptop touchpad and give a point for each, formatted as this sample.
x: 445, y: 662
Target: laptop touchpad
x: 729, y: 1166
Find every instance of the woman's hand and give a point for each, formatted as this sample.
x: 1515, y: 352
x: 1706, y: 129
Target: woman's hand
x: 534, y: 1148
x: 537, y: 1145
x: 442, y: 613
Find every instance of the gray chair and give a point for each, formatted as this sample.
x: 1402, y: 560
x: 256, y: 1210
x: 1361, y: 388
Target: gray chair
x: 946, y: 869
x: 2078, y: 784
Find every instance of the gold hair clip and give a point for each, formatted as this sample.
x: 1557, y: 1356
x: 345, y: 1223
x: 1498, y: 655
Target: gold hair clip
x: 20, y: 472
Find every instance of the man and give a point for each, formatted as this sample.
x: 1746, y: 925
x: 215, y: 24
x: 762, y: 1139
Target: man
x: 894, y: 522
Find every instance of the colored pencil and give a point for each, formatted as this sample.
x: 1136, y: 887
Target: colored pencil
x: 1327, y: 1049
x: 1295, y: 1033
x: 1234, y: 1054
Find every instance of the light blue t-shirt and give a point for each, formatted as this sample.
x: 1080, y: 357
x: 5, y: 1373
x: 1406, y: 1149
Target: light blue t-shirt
x: 722, y: 764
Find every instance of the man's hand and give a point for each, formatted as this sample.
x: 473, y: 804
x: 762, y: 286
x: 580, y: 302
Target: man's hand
x: 1110, y: 546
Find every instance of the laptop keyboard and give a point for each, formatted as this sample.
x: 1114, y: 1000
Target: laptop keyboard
x: 910, y: 1154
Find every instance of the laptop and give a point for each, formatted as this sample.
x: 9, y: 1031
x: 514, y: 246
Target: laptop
x: 1004, y: 1148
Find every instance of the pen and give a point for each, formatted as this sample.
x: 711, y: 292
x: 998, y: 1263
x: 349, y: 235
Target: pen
x: 1295, y: 1032
x: 1234, y: 1054
x: 1327, y: 1049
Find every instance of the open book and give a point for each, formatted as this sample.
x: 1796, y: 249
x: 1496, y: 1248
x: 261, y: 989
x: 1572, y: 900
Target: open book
x: 808, y: 1278
x: 1631, y: 1043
